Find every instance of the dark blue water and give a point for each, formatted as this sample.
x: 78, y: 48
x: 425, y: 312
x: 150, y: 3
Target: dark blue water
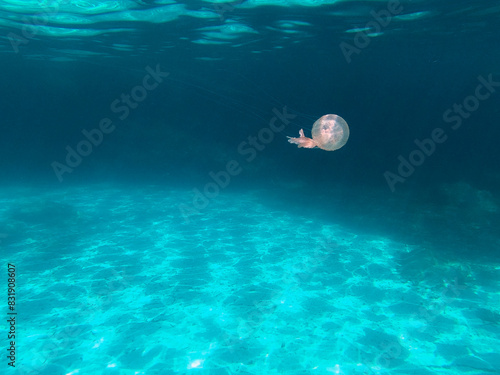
x: 158, y: 221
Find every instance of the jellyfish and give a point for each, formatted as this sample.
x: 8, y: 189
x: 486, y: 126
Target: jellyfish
x: 329, y: 132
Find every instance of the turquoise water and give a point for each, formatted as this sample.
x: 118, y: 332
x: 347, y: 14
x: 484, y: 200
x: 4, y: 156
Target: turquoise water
x: 112, y: 282
x: 155, y: 220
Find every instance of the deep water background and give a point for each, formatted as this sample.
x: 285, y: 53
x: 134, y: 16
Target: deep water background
x: 307, y: 259
x: 390, y: 94
x: 393, y: 92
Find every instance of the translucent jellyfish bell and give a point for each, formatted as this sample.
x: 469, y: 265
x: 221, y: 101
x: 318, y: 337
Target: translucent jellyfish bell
x: 329, y: 132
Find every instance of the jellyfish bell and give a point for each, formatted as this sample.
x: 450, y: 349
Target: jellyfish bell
x: 329, y: 132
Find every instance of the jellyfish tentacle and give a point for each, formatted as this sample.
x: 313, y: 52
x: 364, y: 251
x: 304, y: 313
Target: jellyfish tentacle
x: 302, y: 141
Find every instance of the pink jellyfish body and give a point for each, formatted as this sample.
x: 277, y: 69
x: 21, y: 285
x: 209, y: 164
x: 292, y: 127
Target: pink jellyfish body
x: 329, y: 132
